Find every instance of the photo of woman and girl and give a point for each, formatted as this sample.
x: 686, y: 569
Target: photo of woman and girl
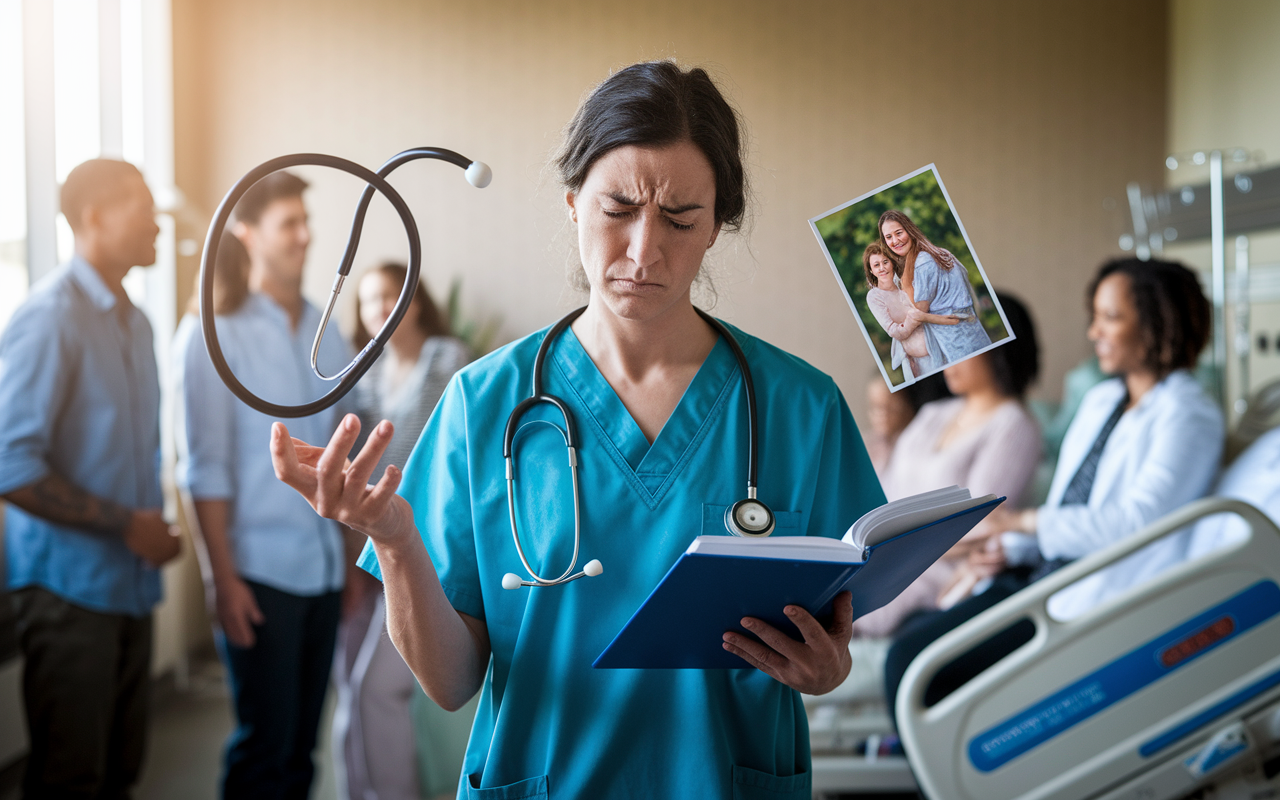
x: 921, y: 295
x: 922, y: 311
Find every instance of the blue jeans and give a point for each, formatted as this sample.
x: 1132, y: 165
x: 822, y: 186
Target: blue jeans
x: 278, y: 688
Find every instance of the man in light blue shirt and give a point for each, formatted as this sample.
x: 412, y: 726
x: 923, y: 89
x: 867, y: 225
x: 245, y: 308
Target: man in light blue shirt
x: 79, y: 466
x: 274, y: 568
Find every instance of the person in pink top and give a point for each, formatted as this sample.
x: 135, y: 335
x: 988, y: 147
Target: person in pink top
x: 900, y: 319
x: 984, y: 439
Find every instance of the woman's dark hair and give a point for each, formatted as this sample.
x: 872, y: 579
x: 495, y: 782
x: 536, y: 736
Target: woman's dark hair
x: 1015, y: 365
x: 1173, y: 314
x: 431, y: 321
x: 652, y: 104
x: 230, y: 278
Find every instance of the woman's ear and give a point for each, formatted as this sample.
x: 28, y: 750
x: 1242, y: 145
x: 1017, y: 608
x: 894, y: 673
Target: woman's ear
x: 569, y: 200
x: 715, y: 234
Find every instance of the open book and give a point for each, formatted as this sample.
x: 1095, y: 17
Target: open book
x: 721, y: 579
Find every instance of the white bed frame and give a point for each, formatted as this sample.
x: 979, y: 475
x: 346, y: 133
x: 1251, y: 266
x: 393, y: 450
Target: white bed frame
x: 1170, y: 688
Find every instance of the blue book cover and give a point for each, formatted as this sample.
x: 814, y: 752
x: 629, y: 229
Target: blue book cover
x: 682, y: 622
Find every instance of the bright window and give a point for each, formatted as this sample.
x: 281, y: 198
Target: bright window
x: 13, y: 179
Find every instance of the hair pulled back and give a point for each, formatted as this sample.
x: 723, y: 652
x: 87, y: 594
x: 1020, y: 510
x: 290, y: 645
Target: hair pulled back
x: 652, y: 104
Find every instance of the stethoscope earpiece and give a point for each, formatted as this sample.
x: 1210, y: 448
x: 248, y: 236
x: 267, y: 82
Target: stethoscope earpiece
x: 479, y: 174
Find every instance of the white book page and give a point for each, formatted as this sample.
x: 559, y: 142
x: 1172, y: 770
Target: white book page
x: 876, y: 526
x: 907, y: 514
x: 792, y: 548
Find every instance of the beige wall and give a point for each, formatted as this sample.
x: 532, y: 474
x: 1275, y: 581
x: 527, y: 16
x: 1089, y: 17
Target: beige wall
x: 1035, y: 114
x: 1224, y: 92
x: 1224, y: 76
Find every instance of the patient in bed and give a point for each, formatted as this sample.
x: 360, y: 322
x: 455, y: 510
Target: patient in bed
x: 1143, y: 444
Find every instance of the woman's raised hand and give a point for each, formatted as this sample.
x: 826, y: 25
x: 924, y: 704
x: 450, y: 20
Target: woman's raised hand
x: 339, y: 489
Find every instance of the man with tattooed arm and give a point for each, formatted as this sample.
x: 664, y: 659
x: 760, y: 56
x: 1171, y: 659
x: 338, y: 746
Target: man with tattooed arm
x: 79, y: 467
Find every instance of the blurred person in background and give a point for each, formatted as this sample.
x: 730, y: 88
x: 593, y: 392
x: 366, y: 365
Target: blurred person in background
x: 373, y: 734
x: 79, y: 466
x: 1144, y: 443
x: 891, y: 412
x: 273, y: 568
x: 983, y: 439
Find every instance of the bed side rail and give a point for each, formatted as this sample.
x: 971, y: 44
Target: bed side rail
x: 1090, y: 702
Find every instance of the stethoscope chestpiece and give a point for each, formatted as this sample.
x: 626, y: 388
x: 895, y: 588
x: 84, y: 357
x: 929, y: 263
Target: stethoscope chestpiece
x: 749, y: 517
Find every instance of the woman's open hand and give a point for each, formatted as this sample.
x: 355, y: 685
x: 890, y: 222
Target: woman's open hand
x: 340, y: 490
x: 816, y: 665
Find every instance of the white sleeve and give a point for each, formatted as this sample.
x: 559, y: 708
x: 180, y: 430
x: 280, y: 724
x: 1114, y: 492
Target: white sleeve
x: 1180, y: 463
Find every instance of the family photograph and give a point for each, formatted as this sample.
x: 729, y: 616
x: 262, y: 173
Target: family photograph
x: 910, y: 275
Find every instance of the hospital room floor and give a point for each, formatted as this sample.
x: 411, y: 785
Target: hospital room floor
x: 188, y: 729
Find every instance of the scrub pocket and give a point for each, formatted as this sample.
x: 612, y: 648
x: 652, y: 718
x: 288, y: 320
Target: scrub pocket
x: 528, y: 789
x: 785, y: 523
x: 752, y: 784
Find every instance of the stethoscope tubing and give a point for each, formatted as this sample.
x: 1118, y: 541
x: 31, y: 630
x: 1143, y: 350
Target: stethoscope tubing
x: 374, y: 182
x: 539, y: 396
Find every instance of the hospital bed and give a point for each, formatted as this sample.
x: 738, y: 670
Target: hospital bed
x: 1170, y: 690
x: 846, y: 728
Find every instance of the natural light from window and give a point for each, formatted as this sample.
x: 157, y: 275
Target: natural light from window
x: 13, y: 180
x: 76, y: 95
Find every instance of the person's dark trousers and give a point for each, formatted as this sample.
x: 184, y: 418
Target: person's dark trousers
x: 278, y: 688
x: 85, y: 684
x: 923, y: 629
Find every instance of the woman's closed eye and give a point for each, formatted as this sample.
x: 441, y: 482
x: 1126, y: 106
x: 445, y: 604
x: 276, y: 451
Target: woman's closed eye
x: 680, y: 226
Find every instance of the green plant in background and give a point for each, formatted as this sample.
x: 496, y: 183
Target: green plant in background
x: 478, y: 334
x: 848, y: 231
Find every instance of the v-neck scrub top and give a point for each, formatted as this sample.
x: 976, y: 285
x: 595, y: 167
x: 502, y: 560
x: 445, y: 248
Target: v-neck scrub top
x: 548, y: 724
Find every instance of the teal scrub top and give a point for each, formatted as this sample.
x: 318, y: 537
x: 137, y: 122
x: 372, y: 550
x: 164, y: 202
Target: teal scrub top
x: 548, y: 724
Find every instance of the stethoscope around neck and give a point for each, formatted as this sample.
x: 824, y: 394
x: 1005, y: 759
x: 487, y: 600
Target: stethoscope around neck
x: 747, y: 517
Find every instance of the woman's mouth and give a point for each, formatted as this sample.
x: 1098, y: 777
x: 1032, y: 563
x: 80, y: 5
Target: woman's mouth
x: 632, y: 286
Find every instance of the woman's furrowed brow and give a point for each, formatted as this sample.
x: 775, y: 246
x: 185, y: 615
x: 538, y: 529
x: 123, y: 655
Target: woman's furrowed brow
x: 622, y: 199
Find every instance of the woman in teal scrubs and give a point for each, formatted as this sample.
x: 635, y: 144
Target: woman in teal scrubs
x: 653, y: 174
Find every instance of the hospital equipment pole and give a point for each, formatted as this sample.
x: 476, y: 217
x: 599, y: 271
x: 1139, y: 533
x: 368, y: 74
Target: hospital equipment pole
x: 1242, y: 343
x: 1218, y: 245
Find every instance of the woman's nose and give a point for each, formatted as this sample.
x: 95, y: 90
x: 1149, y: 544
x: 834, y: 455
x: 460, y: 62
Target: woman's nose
x: 645, y: 247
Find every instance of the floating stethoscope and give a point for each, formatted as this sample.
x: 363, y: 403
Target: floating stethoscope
x: 478, y: 175
x: 747, y: 517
